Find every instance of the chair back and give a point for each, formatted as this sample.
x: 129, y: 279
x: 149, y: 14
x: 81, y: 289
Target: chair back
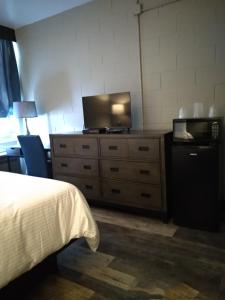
x: 34, y: 155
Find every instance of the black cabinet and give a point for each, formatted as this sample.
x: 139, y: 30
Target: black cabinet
x: 195, y: 186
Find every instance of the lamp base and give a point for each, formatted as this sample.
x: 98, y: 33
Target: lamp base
x: 28, y: 132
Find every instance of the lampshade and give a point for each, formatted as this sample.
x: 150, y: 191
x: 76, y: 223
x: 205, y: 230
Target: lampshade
x: 24, y: 109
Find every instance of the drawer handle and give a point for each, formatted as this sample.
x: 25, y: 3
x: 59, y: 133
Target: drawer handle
x: 144, y: 172
x: 85, y: 146
x: 64, y: 165
x: 146, y: 195
x: 114, y: 169
x: 143, y: 148
x: 115, y: 191
x: 62, y: 145
x: 113, y: 148
x: 87, y: 167
x: 89, y: 187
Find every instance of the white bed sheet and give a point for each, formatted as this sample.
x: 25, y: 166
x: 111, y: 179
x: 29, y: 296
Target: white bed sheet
x: 39, y: 216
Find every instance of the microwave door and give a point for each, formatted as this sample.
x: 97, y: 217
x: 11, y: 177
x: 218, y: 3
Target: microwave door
x: 199, y: 130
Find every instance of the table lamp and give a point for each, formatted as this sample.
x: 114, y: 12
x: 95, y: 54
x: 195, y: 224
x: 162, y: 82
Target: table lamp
x: 25, y: 109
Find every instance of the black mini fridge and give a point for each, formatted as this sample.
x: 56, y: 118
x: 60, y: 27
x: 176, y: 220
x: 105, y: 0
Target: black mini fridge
x: 195, y: 186
x: 196, y: 172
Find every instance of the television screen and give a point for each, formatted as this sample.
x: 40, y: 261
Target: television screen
x: 107, y: 111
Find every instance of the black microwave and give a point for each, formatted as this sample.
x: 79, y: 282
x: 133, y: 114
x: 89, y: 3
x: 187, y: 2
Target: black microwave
x: 197, y: 130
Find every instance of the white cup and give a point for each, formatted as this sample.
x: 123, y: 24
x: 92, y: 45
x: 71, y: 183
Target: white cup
x: 212, y: 111
x: 198, y: 110
x: 182, y: 113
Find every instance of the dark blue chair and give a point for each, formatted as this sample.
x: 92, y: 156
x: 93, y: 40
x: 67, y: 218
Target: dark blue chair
x: 35, y: 156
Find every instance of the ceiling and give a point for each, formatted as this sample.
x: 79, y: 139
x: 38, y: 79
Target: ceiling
x: 18, y: 13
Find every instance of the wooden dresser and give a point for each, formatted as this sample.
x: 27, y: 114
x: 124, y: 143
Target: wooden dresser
x: 126, y: 170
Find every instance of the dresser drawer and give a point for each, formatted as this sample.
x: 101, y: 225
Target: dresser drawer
x: 146, y: 196
x: 144, y: 149
x: 134, y: 195
x: 77, y: 166
x: 86, y: 147
x: 114, y: 169
x: 63, y: 146
x: 114, y: 147
x: 89, y: 187
x: 114, y: 191
x: 136, y: 171
x: 144, y: 172
x: 75, y: 146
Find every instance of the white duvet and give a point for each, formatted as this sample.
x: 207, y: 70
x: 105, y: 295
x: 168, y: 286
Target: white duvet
x: 39, y: 216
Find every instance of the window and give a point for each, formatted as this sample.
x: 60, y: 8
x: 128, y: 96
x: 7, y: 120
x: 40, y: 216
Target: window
x: 9, y: 129
x: 9, y: 92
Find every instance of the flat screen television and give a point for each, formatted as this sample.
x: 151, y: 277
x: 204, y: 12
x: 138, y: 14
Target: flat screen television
x: 109, y: 111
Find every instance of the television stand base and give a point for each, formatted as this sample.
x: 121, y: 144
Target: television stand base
x: 94, y: 130
x: 105, y: 130
x: 118, y: 130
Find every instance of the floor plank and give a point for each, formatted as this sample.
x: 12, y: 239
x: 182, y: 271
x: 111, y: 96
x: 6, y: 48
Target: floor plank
x: 136, y: 222
x: 182, y: 291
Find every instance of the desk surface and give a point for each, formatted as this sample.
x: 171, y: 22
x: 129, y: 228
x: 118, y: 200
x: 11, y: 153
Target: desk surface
x: 14, y: 151
x: 17, y: 151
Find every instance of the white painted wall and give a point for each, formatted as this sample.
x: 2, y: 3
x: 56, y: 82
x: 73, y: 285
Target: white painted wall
x: 183, y: 59
x: 89, y: 50
x: 183, y: 56
x: 94, y: 49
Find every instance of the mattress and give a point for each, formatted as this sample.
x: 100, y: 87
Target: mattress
x: 39, y: 216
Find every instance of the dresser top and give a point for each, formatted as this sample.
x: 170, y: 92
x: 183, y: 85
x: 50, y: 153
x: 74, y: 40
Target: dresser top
x: 132, y: 133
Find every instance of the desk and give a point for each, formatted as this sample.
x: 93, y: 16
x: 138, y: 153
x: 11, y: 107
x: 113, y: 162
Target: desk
x: 14, y: 152
x: 9, y: 164
x: 11, y: 152
x: 17, y: 152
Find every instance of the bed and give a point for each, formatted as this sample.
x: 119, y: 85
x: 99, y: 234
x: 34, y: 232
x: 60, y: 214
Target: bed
x: 38, y: 217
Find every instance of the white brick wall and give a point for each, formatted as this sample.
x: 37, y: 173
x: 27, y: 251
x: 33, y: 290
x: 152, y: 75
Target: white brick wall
x: 220, y: 98
x: 92, y: 49
x: 183, y: 43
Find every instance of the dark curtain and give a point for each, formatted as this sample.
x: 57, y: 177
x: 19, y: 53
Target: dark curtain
x: 7, y: 33
x: 9, y: 78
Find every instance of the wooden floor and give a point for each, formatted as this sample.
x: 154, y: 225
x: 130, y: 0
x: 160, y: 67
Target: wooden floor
x: 138, y: 258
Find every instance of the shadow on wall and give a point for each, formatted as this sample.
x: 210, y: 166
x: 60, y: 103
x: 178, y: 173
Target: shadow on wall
x: 135, y: 117
x: 54, y: 92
